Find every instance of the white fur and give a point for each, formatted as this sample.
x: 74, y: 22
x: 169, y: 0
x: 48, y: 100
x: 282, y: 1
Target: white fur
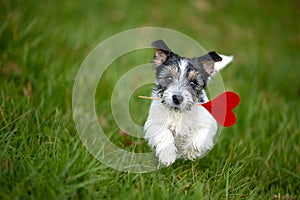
x: 174, y: 135
x: 225, y: 61
x: 182, y: 66
x: 187, y: 134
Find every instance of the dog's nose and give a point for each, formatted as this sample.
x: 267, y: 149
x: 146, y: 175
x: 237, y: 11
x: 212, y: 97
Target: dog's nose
x: 177, y: 99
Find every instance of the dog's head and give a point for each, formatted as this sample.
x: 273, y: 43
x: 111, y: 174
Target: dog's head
x: 181, y: 81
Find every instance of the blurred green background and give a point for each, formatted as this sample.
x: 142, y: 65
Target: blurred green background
x: 42, y: 44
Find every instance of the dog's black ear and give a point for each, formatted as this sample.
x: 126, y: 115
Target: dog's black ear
x: 207, y: 61
x: 161, y: 45
x: 162, y: 52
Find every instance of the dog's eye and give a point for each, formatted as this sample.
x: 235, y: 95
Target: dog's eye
x: 169, y: 79
x: 193, y: 83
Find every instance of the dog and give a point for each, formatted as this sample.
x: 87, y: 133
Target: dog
x: 176, y: 127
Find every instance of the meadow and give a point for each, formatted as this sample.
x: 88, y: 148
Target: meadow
x: 42, y: 45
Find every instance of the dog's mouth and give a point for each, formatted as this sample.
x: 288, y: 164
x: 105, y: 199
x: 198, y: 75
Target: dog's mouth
x: 182, y: 107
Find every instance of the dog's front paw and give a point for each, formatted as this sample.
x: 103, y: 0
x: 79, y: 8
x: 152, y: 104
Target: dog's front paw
x: 167, y: 155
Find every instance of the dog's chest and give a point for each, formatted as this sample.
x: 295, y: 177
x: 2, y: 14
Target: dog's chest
x: 183, y: 124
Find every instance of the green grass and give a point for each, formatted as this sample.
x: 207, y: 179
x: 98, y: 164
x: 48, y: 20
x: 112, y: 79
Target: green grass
x: 42, y: 45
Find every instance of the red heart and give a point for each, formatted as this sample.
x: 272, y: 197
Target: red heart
x: 221, y: 108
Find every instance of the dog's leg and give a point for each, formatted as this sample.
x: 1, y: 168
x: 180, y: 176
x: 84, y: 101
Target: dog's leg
x: 203, y: 141
x: 160, y: 138
x: 198, y: 144
x: 200, y: 136
x: 159, y: 135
